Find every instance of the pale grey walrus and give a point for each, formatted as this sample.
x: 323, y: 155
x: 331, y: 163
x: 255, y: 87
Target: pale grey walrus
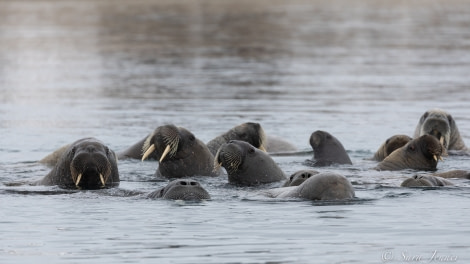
x: 181, y: 189
x: 249, y: 132
x: 322, y: 186
x: 85, y: 164
x: 440, y: 124
x: 391, y: 144
x: 420, y: 153
x: 275, y: 144
x: 425, y: 181
x: 327, y: 150
x: 247, y: 165
x: 299, y: 177
x: 179, y: 152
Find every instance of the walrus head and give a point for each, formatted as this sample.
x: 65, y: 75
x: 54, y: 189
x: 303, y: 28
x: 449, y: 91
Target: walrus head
x: 395, y: 142
x: 425, y: 181
x: 438, y: 124
x: 91, y: 164
x: 231, y: 155
x: 249, y: 132
x: 165, y: 142
x: 182, y: 189
x: 327, y: 149
x: 299, y: 177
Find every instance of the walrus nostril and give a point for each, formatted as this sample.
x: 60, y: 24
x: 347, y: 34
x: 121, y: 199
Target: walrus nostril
x: 193, y: 183
x: 183, y: 183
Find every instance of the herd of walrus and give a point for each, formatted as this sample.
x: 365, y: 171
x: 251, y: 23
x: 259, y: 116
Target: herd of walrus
x: 245, y: 152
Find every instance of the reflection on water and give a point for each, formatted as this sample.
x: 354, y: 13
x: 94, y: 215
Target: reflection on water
x: 362, y: 70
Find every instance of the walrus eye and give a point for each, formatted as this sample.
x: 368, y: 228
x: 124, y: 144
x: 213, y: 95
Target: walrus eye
x: 192, y: 137
x: 251, y: 150
x: 411, y: 147
x: 425, y: 115
x: 243, y: 135
x: 107, y: 151
x: 449, y: 117
x: 74, y: 149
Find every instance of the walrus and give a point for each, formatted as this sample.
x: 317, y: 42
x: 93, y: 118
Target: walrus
x: 179, y: 152
x: 327, y: 150
x: 391, y: 144
x: 322, y: 186
x: 456, y: 174
x: 181, y: 189
x: 249, y: 132
x: 53, y: 158
x: 247, y: 165
x: 299, y: 177
x: 440, y: 124
x: 420, y: 153
x: 425, y: 181
x: 275, y: 144
x: 85, y: 164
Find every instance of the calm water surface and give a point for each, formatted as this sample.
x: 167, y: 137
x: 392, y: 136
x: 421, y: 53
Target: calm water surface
x: 115, y: 70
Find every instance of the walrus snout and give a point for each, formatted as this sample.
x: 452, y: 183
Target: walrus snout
x: 182, y: 189
x: 90, y: 170
x: 228, y: 156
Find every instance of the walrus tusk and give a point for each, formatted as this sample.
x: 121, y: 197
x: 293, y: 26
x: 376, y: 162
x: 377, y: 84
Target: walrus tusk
x: 435, y: 157
x: 148, y: 152
x: 167, y: 149
x: 78, y: 179
x: 102, y: 179
x: 441, y: 140
x: 262, y: 148
x: 440, y: 158
x: 217, y: 166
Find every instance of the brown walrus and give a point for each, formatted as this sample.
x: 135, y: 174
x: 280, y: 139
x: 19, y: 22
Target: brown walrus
x: 249, y: 132
x: 440, y: 124
x: 425, y: 181
x: 85, y: 164
x: 327, y: 150
x: 391, y: 144
x: 179, y: 152
x: 419, y: 154
x: 247, y: 165
x: 322, y: 186
x: 181, y: 189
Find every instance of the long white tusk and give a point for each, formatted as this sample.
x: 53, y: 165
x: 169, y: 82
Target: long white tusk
x: 440, y: 158
x: 442, y: 140
x: 435, y: 157
x: 167, y: 149
x: 262, y: 148
x: 102, y: 179
x: 148, y: 152
x: 78, y: 179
